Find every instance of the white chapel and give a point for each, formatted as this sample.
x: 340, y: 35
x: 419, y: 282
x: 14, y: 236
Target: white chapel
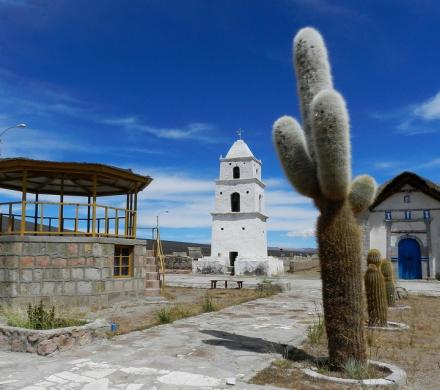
x: 239, y: 235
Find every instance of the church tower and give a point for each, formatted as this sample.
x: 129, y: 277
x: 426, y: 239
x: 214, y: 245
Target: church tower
x: 239, y: 235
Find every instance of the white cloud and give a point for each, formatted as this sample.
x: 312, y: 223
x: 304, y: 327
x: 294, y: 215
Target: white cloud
x: 196, y: 131
x: 430, y: 109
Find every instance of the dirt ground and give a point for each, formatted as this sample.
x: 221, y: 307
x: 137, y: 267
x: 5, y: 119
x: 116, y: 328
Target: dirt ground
x: 416, y: 350
x: 185, y: 302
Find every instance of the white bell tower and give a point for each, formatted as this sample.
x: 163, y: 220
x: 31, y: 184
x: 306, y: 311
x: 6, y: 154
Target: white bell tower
x: 239, y: 235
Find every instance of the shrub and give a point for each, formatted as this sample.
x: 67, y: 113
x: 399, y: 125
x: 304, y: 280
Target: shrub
x: 315, y: 332
x: 39, y: 317
x: 208, y: 304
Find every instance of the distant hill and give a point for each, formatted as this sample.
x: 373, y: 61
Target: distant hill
x: 180, y: 246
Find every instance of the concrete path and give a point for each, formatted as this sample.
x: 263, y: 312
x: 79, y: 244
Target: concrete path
x: 199, y: 352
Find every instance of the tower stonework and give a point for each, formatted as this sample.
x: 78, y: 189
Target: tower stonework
x: 239, y: 235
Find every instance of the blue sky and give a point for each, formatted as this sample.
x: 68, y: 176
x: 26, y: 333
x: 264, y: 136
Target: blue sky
x: 161, y: 86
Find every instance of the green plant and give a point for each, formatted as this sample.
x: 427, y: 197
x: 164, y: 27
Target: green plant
x: 387, y: 272
x: 317, y: 161
x: 315, y: 332
x: 376, y: 296
x: 267, y: 288
x: 163, y: 315
x: 38, y: 317
x: 208, y: 303
x: 358, y: 370
x: 373, y: 257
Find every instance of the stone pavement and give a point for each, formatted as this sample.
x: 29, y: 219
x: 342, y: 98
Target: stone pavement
x: 291, y: 281
x: 198, y: 352
x: 201, y: 352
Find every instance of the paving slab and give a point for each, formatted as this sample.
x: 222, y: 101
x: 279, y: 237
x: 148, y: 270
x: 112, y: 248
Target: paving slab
x: 203, y: 352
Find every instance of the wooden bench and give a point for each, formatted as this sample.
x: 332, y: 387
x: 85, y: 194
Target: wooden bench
x: 214, y: 283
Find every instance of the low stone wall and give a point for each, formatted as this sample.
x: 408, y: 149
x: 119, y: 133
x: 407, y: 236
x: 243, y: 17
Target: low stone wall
x: 74, y: 271
x: 45, y: 342
x: 175, y: 262
x: 300, y: 263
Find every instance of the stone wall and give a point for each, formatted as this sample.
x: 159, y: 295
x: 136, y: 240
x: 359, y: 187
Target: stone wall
x: 45, y: 342
x: 174, y: 262
x: 71, y: 270
x: 300, y: 263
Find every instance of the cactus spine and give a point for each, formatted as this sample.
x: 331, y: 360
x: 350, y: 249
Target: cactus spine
x: 373, y: 257
x: 387, y: 272
x: 317, y: 160
x: 376, y: 296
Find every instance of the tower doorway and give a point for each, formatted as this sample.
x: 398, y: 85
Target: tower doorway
x: 232, y: 257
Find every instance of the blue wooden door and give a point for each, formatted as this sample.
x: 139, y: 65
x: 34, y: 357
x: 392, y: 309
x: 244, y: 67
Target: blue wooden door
x: 410, y: 263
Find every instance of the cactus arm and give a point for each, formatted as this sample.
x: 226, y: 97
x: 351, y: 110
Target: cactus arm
x: 330, y: 126
x: 291, y: 147
x: 312, y: 74
x: 362, y: 193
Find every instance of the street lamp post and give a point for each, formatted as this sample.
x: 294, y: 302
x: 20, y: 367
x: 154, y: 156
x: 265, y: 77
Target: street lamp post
x: 157, y: 220
x: 18, y: 126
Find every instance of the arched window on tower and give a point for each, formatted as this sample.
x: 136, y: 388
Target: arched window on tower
x: 236, y: 173
x: 259, y: 203
x: 235, y: 202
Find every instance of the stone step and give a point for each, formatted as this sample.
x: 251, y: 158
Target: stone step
x: 150, y: 260
x: 152, y: 284
x: 151, y: 268
x: 151, y: 292
x: 151, y: 276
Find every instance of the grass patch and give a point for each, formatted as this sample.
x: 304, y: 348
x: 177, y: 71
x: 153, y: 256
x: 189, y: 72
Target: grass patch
x: 168, y: 314
x: 38, y: 317
x: 316, y: 331
x: 208, y: 303
x: 185, y: 302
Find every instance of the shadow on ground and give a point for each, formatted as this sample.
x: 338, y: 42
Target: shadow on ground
x: 254, y: 344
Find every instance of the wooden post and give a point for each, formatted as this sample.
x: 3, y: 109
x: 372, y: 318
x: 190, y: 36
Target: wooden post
x: 10, y: 220
x: 94, y: 207
x: 127, y: 213
x: 61, y: 210
x: 76, y: 218
x: 36, y: 212
x: 106, y: 221
x: 88, y: 214
x: 133, y: 233
x: 23, y: 203
x: 41, y: 217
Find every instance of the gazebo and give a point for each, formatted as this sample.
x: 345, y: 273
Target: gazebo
x: 82, y: 247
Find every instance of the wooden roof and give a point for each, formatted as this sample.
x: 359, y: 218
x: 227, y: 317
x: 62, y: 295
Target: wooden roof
x: 394, y: 185
x: 69, y: 178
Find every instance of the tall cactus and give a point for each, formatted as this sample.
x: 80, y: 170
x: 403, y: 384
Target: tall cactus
x: 373, y: 257
x: 376, y: 296
x: 317, y: 160
x: 387, y: 272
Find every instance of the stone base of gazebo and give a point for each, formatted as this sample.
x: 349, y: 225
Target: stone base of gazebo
x: 74, y: 271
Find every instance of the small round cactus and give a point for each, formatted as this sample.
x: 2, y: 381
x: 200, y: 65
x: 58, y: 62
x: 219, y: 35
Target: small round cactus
x: 373, y: 257
x: 376, y: 296
x: 387, y: 272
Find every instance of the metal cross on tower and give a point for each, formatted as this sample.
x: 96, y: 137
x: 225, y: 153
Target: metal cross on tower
x: 240, y: 132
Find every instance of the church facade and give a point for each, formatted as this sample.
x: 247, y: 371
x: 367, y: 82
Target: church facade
x: 404, y: 224
x: 239, y: 235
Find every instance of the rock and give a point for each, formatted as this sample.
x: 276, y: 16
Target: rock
x: 85, y: 338
x: 65, y: 342
x: 18, y: 344
x: 230, y: 381
x: 47, y: 347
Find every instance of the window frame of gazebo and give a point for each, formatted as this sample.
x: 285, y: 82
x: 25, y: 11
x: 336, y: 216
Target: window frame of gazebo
x: 124, y: 182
